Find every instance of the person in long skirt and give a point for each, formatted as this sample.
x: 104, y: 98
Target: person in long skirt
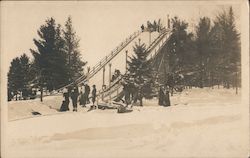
x: 166, y: 96
x: 87, y: 91
x: 161, y: 96
x: 74, y: 97
x: 93, y: 95
x: 65, y: 103
x: 126, y: 94
x: 82, y: 98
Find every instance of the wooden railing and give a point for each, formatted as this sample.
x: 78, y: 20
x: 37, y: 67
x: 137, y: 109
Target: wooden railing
x: 103, y: 62
x: 160, y: 41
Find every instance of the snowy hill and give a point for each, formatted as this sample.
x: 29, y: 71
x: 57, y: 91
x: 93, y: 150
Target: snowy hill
x: 200, y: 122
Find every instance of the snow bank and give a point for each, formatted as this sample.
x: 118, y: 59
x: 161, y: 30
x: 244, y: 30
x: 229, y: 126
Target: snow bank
x: 201, y: 123
x: 23, y: 108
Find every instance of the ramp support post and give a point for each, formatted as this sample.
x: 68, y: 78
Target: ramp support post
x: 110, y: 81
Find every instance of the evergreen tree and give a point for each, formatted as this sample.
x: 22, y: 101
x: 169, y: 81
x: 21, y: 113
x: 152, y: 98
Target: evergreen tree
x: 140, y: 72
x: 14, y: 77
x: 74, y: 61
x: 180, y: 48
x: 228, y: 47
x: 49, y: 58
x: 25, y: 75
x: 19, y: 76
x: 203, y: 48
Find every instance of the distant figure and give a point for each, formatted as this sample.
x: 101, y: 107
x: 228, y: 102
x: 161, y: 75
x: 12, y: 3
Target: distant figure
x: 74, y: 96
x: 65, y: 103
x: 93, y: 94
x: 126, y: 94
x: 161, y: 95
x: 87, y: 91
x: 113, y: 78
x: 166, y: 99
x: 142, y: 28
x: 82, y: 98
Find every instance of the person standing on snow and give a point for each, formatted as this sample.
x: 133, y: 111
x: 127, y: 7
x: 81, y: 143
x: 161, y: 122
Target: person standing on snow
x: 161, y: 96
x: 126, y: 94
x: 74, y: 96
x: 65, y: 103
x: 82, y: 98
x: 93, y: 95
x: 166, y: 101
x: 87, y: 91
x: 142, y: 28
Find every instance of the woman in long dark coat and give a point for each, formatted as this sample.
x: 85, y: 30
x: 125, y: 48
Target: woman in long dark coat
x: 65, y: 103
x: 166, y: 96
x: 81, y: 99
x: 74, y: 97
x: 161, y: 96
x: 93, y: 94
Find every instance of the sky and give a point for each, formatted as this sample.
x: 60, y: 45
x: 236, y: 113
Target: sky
x: 100, y: 25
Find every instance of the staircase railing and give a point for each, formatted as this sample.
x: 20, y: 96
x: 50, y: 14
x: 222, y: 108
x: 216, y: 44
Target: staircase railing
x: 104, y: 61
x: 160, y: 41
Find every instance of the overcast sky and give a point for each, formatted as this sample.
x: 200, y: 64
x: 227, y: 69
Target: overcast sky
x: 101, y: 26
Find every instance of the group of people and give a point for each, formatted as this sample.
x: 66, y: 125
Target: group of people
x: 133, y: 94
x: 82, y: 97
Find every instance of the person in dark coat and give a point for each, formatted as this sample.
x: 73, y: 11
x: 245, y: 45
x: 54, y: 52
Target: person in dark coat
x: 93, y: 94
x: 161, y: 96
x: 81, y: 99
x: 74, y: 96
x: 87, y: 91
x: 126, y: 94
x: 65, y: 103
x: 166, y: 99
x: 142, y: 27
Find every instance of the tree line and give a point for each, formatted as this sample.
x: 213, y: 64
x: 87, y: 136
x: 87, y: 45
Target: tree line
x: 204, y: 58
x: 56, y: 61
x: 209, y: 56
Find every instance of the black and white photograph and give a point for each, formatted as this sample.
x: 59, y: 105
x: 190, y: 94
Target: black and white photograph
x: 124, y: 79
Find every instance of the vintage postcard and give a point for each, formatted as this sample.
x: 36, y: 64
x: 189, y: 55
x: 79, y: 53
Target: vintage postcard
x: 116, y: 79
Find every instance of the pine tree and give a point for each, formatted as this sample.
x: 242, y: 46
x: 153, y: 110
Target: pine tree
x: 14, y: 77
x: 180, y: 48
x: 19, y: 77
x: 74, y: 61
x: 140, y: 72
x: 25, y: 75
x: 228, y: 47
x: 203, y: 48
x: 49, y: 58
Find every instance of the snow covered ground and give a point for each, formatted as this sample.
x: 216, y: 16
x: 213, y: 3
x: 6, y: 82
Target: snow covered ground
x: 200, y: 123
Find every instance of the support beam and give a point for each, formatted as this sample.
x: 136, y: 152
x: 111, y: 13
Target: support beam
x: 103, y: 76
x: 110, y: 81
x: 103, y: 82
x: 126, y: 65
x: 149, y: 38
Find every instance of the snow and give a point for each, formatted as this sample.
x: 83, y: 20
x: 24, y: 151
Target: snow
x: 200, y: 123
